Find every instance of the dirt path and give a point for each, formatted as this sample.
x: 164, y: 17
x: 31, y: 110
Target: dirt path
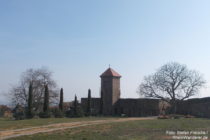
x: 60, y: 126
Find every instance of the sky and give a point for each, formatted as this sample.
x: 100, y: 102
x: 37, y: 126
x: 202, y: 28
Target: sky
x: 78, y: 39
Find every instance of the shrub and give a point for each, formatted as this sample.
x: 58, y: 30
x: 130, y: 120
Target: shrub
x: 176, y: 116
x: 123, y: 115
x: 71, y: 113
x: 45, y: 114
x: 19, y: 112
x: 80, y: 112
x: 1, y: 113
x: 19, y: 116
x: 30, y: 115
x: 163, y: 117
x: 58, y: 113
x: 189, y: 116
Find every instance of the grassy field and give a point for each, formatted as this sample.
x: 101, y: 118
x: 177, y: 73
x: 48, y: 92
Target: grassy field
x: 132, y: 130
x: 8, y: 124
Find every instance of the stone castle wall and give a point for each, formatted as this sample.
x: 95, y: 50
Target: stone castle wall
x: 128, y: 107
x: 150, y: 107
x: 199, y: 107
x: 95, y: 105
x: 137, y: 107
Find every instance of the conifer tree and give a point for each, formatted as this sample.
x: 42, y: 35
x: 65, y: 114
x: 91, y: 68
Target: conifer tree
x: 46, y: 100
x: 89, y: 103
x: 75, y: 106
x: 30, y: 101
x: 61, y: 100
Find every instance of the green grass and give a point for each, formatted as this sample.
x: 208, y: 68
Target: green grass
x: 8, y: 124
x: 132, y: 130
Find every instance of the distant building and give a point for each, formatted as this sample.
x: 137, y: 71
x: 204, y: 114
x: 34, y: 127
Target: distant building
x: 110, y: 102
x: 5, y: 111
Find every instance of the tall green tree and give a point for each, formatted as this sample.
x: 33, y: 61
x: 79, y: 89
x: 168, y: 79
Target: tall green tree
x: 75, y: 106
x: 89, y: 103
x: 61, y: 100
x: 46, y: 99
x: 30, y: 101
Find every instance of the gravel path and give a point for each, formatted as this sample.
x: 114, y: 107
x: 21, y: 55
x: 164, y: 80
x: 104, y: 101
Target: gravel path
x: 60, y: 126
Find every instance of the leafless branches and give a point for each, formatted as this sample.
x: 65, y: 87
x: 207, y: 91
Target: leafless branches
x: 172, y: 82
x: 39, y: 78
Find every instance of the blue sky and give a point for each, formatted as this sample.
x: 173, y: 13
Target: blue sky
x: 77, y: 40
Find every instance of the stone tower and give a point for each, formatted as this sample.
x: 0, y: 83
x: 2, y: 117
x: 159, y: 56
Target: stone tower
x: 110, y: 90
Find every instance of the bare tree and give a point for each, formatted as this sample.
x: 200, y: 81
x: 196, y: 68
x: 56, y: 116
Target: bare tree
x: 39, y: 78
x: 172, y: 82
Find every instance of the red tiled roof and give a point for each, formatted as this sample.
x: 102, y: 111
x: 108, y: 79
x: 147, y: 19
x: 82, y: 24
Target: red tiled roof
x: 110, y: 72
